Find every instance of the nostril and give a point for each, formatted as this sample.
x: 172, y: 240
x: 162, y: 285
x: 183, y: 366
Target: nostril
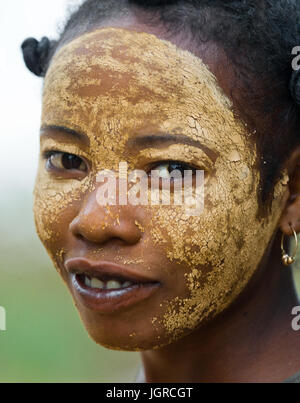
x: 76, y: 229
x: 80, y: 237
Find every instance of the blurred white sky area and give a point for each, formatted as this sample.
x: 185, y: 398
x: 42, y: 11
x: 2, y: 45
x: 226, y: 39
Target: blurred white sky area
x: 20, y: 91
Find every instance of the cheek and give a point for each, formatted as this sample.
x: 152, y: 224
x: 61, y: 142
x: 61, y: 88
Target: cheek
x: 214, y: 249
x: 52, y: 229
x: 230, y: 207
x: 55, y: 206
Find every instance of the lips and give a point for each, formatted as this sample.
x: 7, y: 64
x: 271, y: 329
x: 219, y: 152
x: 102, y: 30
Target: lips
x: 108, y: 287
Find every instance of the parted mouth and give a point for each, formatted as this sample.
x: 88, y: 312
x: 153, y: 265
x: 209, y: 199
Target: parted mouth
x: 105, y: 275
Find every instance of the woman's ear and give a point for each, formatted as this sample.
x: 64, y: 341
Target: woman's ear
x: 291, y: 213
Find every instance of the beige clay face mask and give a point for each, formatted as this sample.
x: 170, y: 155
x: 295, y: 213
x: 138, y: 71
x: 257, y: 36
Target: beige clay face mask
x: 116, y: 86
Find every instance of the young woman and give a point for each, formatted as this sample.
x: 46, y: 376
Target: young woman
x: 199, y: 85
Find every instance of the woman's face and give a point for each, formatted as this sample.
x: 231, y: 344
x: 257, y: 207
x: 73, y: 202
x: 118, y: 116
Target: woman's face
x: 114, y: 96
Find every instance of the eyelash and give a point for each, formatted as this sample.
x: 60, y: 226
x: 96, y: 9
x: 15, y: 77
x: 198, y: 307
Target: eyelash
x: 183, y: 166
x: 178, y: 165
x: 47, y: 155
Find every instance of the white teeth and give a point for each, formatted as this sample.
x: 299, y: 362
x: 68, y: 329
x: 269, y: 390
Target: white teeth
x: 109, y: 285
x: 112, y: 284
x: 87, y: 281
x: 96, y: 283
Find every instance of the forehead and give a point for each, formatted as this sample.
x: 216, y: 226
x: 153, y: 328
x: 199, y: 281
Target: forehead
x: 114, y: 68
x: 114, y: 84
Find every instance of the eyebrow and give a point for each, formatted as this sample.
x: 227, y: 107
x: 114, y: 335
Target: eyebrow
x: 66, y: 130
x: 164, y: 139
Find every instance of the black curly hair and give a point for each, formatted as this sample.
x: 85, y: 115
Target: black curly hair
x: 257, y: 36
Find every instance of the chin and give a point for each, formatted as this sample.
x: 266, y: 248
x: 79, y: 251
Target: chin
x: 130, y: 342
x: 116, y: 338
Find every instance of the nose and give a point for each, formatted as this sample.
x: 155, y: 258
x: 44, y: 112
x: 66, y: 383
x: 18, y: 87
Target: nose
x: 99, y: 224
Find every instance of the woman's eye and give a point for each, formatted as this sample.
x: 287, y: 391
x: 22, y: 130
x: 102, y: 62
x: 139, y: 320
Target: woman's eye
x: 65, y: 161
x: 164, y: 170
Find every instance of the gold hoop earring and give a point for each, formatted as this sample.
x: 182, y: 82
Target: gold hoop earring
x: 286, y: 259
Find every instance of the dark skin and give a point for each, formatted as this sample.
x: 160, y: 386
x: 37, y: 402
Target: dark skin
x: 252, y: 340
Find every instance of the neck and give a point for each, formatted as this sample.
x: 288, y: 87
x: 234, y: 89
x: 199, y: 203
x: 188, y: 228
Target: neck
x: 253, y: 341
